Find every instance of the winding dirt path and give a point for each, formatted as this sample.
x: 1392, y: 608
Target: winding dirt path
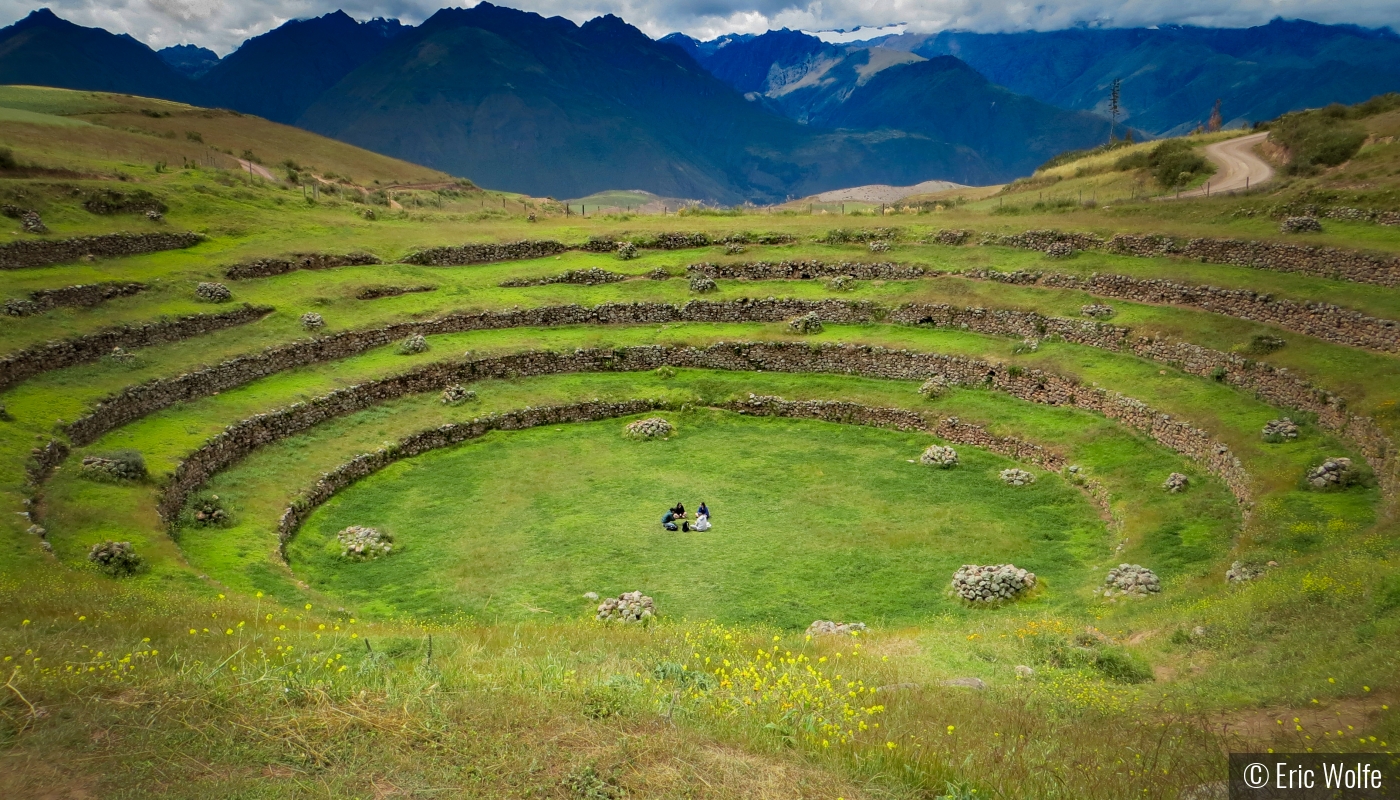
x: 1238, y: 166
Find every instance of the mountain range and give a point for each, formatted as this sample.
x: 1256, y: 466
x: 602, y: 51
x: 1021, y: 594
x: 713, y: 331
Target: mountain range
x: 518, y: 101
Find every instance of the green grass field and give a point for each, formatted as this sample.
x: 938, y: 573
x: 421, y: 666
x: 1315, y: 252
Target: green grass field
x: 467, y: 663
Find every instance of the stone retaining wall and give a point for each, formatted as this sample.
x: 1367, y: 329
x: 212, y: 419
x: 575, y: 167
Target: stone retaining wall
x: 1034, y: 386
x: 1324, y: 262
x: 1320, y: 320
x: 82, y: 295
x: 42, y: 252
x: 90, y: 347
x: 416, y: 444
x: 43, y: 460
x: 485, y: 252
x: 1277, y: 387
x: 267, y: 267
x: 444, y: 436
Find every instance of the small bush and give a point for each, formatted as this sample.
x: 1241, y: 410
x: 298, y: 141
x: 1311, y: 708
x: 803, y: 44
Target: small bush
x: 1119, y: 665
x: 118, y: 559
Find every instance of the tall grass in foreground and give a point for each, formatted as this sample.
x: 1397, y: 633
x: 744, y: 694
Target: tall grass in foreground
x: 158, y: 694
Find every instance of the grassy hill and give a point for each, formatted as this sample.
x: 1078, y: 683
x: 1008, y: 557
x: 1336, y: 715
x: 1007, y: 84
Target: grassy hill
x: 244, y: 656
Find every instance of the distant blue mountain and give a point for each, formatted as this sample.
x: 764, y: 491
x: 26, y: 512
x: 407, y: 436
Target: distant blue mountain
x: 43, y: 50
x: 1172, y: 75
x: 189, y: 60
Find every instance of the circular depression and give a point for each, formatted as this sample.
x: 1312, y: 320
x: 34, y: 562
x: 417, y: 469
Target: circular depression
x: 811, y: 520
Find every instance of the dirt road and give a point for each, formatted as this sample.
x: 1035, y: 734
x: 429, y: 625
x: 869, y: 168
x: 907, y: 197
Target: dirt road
x: 1238, y: 166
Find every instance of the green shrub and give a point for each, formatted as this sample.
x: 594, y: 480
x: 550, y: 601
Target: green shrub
x: 1119, y: 665
x: 1175, y: 162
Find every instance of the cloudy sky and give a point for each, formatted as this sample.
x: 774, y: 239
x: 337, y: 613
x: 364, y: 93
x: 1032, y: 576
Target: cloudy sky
x: 222, y: 24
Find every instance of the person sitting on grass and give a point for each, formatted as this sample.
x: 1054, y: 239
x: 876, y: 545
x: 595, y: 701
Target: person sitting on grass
x: 702, y: 520
x: 668, y: 520
x: 703, y: 509
x: 679, y: 510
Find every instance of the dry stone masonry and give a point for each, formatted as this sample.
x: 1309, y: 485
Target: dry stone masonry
x: 702, y: 284
x: 417, y: 343
x: 1059, y: 250
x: 1132, y: 580
x: 1300, y: 225
x: 78, y: 296
x: 1176, y: 483
x: 267, y: 267
x: 626, y: 251
x: 358, y: 543
x: 627, y: 607
x: 593, y: 276
x: 376, y: 292
x: 1097, y: 311
x: 457, y: 394
x: 41, y: 253
x: 650, y: 428
x: 1240, y: 572
x: 117, y: 468
x: 485, y: 253
x: 1016, y: 477
x: 807, y: 324
x: 939, y: 456
x: 312, y: 321
x: 992, y: 582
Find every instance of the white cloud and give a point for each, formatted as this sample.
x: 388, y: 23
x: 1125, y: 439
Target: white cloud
x: 223, y: 24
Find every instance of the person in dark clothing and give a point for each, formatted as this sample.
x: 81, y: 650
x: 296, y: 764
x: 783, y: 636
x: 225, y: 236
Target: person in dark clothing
x: 703, y: 509
x: 668, y: 521
x: 679, y: 510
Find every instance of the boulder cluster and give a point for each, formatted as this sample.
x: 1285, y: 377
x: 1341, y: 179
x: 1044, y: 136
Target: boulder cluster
x: 312, y: 321
x: 457, y: 394
x: 934, y: 387
x: 733, y: 249
x: 626, y: 250
x: 1176, y: 483
x: 1332, y: 472
x: 649, y: 428
x: 807, y: 323
x: 1240, y: 572
x: 416, y: 343
x: 122, y: 467
x: 1017, y: 477
x: 1300, y: 225
x: 988, y: 583
x: 880, y: 246
x: 359, y: 543
x: 658, y: 274
x: 30, y: 222
x: 115, y: 558
x: 939, y: 456
x: 1130, y: 579
x: 627, y: 607
x: 701, y: 284
x: 1097, y: 311
x: 825, y: 627
x: 210, y: 292
x: 841, y: 283
x: 1059, y: 250
x: 1278, y: 430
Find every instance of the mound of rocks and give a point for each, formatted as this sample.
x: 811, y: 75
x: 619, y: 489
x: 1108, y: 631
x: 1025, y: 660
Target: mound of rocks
x: 154, y: 215
x: 1130, y: 579
x: 115, y: 558
x: 1016, y: 477
x: 841, y: 283
x: 30, y: 222
x: 120, y: 467
x: 1279, y: 430
x: 880, y: 246
x: 1240, y: 572
x: 1176, y: 483
x: 988, y: 583
x: 703, y: 284
x: 939, y: 456
x: 121, y: 355
x: 1097, y: 311
x: 1333, y: 472
x: 210, y: 292
x: 416, y: 343
x: 658, y: 274
x: 649, y: 428
x: 934, y: 387
x: 457, y: 394
x: 209, y: 511
x: 952, y: 236
x: 733, y: 249
x: 312, y: 321
x: 627, y: 607
x: 359, y: 543
x: 626, y: 250
x: 1059, y: 250
x: 1300, y: 225
x: 807, y: 323
x: 825, y: 627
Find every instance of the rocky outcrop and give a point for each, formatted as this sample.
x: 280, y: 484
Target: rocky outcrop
x: 41, y: 253
x: 83, y: 295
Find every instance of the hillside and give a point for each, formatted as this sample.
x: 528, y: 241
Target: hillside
x: 1172, y: 75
